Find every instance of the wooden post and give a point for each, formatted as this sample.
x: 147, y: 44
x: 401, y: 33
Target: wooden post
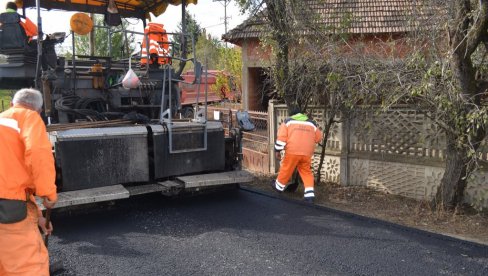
x: 272, y: 136
x: 46, y: 93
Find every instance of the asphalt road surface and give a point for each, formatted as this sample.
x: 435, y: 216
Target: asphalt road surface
x: 244, y: 233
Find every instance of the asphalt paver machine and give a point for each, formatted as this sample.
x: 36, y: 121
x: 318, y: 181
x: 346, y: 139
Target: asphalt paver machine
x: 111, y: 142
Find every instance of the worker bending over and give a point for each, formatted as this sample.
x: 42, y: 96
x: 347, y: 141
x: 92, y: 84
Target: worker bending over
x: 297, y: 135
x: 26, y: 170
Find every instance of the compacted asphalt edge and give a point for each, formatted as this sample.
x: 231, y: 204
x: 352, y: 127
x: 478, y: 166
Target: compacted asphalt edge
x: 439, y: 236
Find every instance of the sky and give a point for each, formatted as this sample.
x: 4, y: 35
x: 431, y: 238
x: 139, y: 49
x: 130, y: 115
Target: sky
x: 209, y: 14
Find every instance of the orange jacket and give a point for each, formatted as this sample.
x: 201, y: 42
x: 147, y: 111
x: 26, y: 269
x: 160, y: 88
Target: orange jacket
x: 158, y: 43
x: 26, y: 159
x: 298, y: 135
x: 29, y: 27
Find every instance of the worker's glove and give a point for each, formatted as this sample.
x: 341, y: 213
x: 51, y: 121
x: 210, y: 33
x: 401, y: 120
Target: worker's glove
x: 47, y: 203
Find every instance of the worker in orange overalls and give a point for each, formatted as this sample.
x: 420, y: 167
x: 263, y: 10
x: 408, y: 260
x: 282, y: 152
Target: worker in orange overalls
x: 26, y: 170
x: 297, y: 135
x: 158, y: 45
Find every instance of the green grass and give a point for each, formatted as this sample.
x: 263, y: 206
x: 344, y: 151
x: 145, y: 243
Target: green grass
x: 5, y: 98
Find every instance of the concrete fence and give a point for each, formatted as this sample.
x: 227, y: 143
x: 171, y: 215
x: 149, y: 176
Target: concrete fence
x: 399, y: 151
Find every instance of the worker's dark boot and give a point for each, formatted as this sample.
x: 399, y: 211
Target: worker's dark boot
x: 292, y: 187
x: 309, y: 200
x: 274, y: 185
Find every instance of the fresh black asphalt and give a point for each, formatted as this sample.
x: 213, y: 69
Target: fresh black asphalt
x: 245, y: 233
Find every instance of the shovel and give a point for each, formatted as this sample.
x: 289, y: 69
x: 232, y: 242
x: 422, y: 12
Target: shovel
x: 54, y: 266
x: 48, y: 221
x: 292, y: 185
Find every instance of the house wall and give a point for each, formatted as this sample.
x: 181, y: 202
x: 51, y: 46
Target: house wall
x: 255, y: 56
x: 379, y: 45
x: 253, y: 90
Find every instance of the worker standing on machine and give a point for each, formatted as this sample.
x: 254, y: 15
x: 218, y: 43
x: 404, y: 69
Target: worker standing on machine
x: 297, y: 135
x: 26, y: 170
x: 156, y: 35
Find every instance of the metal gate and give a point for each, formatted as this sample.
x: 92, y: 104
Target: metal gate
x: 255, y: 144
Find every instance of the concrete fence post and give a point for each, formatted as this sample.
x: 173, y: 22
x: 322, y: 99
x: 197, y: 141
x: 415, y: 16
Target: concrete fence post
x: 272, y: 135
x: 345, y: 149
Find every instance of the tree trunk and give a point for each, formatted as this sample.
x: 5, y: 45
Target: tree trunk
x: 465, y: 36
x: 451, y: 190
x: 327, y: 127
x: 283, y: 71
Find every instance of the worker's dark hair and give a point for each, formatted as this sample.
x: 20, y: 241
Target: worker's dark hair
x: 294, y: 109
x: 11, y: 5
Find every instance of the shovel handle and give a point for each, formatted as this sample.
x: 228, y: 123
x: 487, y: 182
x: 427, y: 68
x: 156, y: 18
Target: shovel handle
x: 48, y: 221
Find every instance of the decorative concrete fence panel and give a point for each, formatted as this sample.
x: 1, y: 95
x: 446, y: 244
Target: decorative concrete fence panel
x: 398, y: 151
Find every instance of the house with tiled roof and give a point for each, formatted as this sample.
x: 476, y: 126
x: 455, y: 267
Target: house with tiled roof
x: 369, y: 23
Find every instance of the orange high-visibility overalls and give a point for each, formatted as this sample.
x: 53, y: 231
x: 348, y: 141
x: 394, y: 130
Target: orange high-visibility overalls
x: 297, y: 136
x: 158, y: 44
x: 26, y: 167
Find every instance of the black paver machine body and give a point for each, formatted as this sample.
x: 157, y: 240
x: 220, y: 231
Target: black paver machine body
x: 100, y: 153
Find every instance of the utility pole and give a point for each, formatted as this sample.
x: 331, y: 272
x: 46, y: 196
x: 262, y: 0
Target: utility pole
x: 225, y: 3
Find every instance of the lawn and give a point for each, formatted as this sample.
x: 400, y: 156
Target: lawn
x: 5, y: 97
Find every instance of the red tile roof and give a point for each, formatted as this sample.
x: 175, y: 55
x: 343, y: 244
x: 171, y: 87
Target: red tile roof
x: 347, y: 16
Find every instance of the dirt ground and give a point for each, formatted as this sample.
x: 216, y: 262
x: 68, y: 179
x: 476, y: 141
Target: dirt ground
x: 464, y: 223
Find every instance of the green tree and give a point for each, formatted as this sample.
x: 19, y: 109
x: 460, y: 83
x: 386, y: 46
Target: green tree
x: 213, y: 54
x: 207, y: 51
x: 230, y: 61
x: 305, y: 73
x: 120, y: 47
x: 446, y: 78
x: 443, y: 76
x: 192, y: 27
x: 452, y: 87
